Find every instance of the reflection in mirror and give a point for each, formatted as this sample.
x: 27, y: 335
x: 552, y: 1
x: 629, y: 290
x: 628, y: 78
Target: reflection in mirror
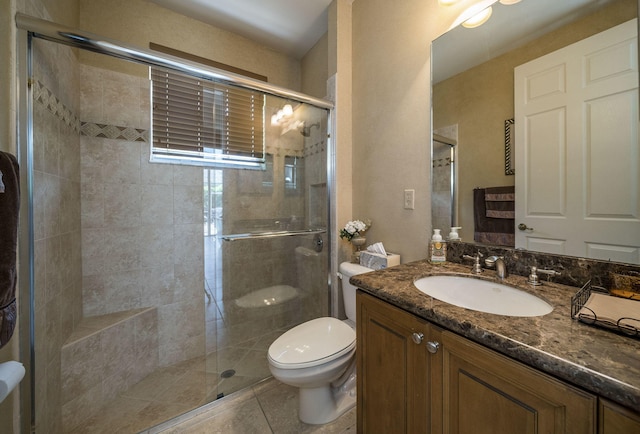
x: 473, y: 82
x: 293, y: 167
x: 443, y: 175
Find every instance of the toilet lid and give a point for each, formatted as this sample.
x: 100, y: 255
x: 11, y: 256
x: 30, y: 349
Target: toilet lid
x: 312, y: 343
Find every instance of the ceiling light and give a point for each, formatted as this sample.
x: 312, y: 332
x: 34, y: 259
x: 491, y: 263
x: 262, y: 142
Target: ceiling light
x: 287, y: 110
x: 448, y: 2
x: 470, y: 13
x: 478, y: 19
x: 509, y: 2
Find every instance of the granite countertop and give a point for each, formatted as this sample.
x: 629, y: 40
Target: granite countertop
x: 592, y: 358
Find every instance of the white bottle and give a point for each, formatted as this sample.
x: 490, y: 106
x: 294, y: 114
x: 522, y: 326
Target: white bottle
x: 437, y: 248
x: 453, y: 235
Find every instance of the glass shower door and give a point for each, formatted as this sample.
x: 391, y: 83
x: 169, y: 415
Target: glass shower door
x: 266, y: 267
x: 142, y: 313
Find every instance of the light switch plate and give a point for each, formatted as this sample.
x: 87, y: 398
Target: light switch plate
x: 409, y: 199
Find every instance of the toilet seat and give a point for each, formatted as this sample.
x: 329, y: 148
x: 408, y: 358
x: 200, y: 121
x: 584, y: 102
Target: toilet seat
x: 312, y: 343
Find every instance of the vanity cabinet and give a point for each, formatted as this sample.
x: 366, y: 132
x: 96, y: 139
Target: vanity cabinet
x: 396, y: 372
x: 485, y: 392
x: 614, y: 419
x: 462, y: 387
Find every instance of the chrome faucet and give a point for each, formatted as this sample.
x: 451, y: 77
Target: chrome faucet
x: 498, y: 263
x: 501, y: 268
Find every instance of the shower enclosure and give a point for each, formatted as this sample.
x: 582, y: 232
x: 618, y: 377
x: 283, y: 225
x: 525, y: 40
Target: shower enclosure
x: 154, y: 289
x: 443, y: 179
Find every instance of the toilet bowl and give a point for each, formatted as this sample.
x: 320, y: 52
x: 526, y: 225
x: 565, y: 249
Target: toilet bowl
x: 318, y: 357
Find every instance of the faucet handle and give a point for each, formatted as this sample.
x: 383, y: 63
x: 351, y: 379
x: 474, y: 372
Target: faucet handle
x: 549, y: 273
x: 533, y: 277
x: 477, y: 268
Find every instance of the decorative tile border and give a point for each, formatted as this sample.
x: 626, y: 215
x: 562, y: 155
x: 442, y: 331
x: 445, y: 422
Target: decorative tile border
x: 45, y: 97
x: 48, y: 100
x: 130, y: 134
x: 315, y: 148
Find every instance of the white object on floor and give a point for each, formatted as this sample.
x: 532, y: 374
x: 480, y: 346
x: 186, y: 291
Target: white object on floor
x: 11, y: 373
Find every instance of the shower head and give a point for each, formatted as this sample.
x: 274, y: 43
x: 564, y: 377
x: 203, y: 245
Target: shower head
x: 306, y: 131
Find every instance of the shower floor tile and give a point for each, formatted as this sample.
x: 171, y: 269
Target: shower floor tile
x: 268, y: 407
x: 172, y: 391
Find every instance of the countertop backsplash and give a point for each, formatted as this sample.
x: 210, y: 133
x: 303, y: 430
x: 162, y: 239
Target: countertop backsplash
x: 574, y: 271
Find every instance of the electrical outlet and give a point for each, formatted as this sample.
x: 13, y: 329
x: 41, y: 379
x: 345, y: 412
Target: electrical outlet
x: 409, y: 199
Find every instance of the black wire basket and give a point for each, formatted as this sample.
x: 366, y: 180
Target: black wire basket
x: 586, y: 315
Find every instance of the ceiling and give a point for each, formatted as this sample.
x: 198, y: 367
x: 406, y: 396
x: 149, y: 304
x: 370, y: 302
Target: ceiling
x: 289, y: 26
x: 509, y: 27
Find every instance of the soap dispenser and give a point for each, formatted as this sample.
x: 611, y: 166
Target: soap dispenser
x: 453, y: 235
x: 437, y: 248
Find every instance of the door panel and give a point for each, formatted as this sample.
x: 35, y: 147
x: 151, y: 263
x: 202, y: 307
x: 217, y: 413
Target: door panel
x: 577, y: 165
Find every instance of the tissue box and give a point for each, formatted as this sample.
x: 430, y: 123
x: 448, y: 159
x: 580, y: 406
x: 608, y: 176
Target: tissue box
x: 378, y: 261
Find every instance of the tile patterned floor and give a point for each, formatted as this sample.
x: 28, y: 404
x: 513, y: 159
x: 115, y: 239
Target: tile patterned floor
x: 268, y: 407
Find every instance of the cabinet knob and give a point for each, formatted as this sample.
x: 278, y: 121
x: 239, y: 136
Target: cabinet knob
x: 432, y: 347
x: 417, y: 337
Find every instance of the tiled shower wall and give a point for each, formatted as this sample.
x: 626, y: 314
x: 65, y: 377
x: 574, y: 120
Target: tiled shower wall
x: 142, y: 223
x: 56, y: 216
x: 112, y: 232
x: 257, y: 201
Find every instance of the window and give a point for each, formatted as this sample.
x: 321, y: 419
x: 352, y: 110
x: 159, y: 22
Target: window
x: 200, y: 122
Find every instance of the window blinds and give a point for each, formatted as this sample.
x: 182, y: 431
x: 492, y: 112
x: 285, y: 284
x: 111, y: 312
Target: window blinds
x: 197, y: 121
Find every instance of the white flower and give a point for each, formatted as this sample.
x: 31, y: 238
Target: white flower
x: 354, y: 228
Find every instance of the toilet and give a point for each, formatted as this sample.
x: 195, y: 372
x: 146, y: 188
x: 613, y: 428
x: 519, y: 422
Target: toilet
x: 318, y: 357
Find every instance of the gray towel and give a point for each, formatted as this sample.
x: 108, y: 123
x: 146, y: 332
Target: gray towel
x: 9, y: 209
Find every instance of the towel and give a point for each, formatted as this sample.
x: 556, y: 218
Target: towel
x: 9, y: 208
x: 491, y: 230
x: 500, y: 202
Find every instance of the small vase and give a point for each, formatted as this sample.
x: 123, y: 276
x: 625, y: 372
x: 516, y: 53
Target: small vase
x: 358, y: 242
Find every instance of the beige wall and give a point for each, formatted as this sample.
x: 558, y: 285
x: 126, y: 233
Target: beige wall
x: 139, y: 22
x: 340, y: 62
x: 391, y: 118
x: 314, y: 69
x: 480, y: 99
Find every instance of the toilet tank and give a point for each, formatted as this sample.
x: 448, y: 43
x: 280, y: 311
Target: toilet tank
x: 348, y: 269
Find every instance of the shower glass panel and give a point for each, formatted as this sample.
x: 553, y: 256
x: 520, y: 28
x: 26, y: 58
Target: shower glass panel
x: 157, y: 287
x: 443, y: 211
x: 265, y: 268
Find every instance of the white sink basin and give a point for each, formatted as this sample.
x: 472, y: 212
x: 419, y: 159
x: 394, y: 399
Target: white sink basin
x: 483, y: 296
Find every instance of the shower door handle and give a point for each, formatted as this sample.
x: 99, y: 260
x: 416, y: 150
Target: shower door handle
x: 271, y: 234
x: 319, y: 243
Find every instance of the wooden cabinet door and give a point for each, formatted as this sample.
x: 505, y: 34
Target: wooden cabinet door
x: 614, y: 419
x: 488, y: 393
x: 393, y: 371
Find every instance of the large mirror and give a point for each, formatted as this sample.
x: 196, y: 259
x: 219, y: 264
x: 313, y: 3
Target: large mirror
x: 473, y: 107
